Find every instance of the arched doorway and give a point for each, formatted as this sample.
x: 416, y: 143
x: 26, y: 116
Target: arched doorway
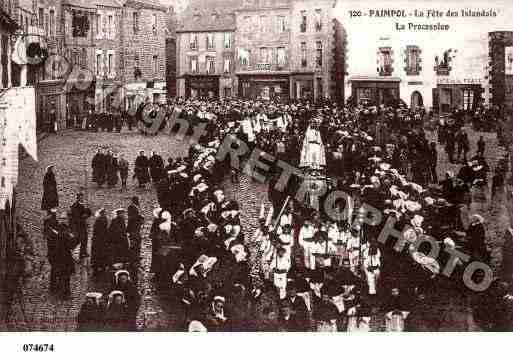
x: 416, y: 100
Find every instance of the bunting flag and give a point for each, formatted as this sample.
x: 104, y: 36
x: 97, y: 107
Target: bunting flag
x: 17, y: 126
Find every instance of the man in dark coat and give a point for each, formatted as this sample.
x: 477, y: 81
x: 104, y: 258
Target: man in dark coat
x: 50, y: 231
x: 99, y: 165
x: 299, y: 309
x: 123, y: 171
x: 156, y: 165
x: 60, y: 247
x: 141, y: 169
x: 99, y: 249
x: 79, y: 215
x: 119, y: 247
x: 135, y: 221
x: 112, y: 169
x: 50, y: 197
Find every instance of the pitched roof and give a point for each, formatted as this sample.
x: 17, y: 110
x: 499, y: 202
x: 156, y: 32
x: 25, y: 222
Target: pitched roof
x: 199, y: 16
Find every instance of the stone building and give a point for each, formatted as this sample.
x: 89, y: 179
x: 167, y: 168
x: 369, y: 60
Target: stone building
x: 500, y: 70
x: 144, y: 28
x: 314, y: 49
x: 276, y: 49
x: 206, y: 50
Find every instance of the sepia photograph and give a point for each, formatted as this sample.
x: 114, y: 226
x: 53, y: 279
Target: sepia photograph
x: 255, y: 166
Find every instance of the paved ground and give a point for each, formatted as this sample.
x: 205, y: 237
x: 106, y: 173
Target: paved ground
x: 72, y: 152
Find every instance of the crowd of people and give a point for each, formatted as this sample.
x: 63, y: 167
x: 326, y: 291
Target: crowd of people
x: 300, y: 269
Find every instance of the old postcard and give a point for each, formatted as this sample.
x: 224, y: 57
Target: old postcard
x: 255, y: 166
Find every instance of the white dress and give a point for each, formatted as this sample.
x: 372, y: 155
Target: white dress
x: 313, y: 154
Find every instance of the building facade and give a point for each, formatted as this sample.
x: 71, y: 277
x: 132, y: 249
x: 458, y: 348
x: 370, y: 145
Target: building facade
x: 143, y: 38
x: 285, y: 49
x: 500, y: 71
x: 102, y: 55
x: 205, y: 44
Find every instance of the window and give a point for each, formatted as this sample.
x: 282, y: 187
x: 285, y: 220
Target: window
x: 282, y: 24
x: 468, y: 99
x: 211, y: 65
x: 84, y: 58
x: 154, y: 25
x: 264, y: 55
x: 79, y: 24
x: 318, y: 54
x: 41, y: 17
x: 227, y: 65
x: 46, y: 25
x: 318, y: 20
x: 110, y: 64
x: 412, y: 60
x: 52, y: 22
x: 227, y: 92
x: 109, y: 27
x: 263, y: 24
x: 137, y: 70
x: 303, y: 55
x: 385, y: 61
x: 247, y: 23
x: 135, y: 18
x: 227, y: 40
x: 193, y: 42
x: 210, y: 41
x: 194, y: 64
x: 303, y: 24
x: 244, y: 55
x: 281, y: 56
x: 98, y: 25
x: 98, y: 63
x: 155, y: 64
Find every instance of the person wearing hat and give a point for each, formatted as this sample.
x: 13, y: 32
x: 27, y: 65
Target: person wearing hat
x: 50, y: 196
x: 156, y: 166
x: 217, y: 318
x: 116, y: 314
x: 50, y: 232
x: 124, y: 284
x: 325, y: 313
x: 119, y: 247
x: 79, y: 215
x: 134, y: 222
x: 141, y: 170
x: 476, y: 236
x: 100, y: 239
x: 155, y: 238
x: 99, y: 166
x: 123, y: 168
x: 90, y: 316
x: 60, y: 247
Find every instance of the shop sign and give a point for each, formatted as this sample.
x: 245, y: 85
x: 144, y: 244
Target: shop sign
x: 263, y: 67
x: 456, y: 81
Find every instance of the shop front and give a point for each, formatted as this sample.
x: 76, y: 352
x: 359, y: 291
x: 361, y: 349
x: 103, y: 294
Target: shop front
x: 205, y: 86
x: 302, y: 86
x: 268, y: 86
x: 50, y: 104
x: 466, y: 96
x: 375, y: 91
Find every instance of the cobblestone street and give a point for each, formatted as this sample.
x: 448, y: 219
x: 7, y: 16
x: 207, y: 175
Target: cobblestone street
x: 72, y: 152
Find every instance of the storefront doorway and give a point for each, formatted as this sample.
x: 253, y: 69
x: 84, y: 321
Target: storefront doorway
x: 265, y: 87
x: 416, y: 100
x: 204, y: 86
